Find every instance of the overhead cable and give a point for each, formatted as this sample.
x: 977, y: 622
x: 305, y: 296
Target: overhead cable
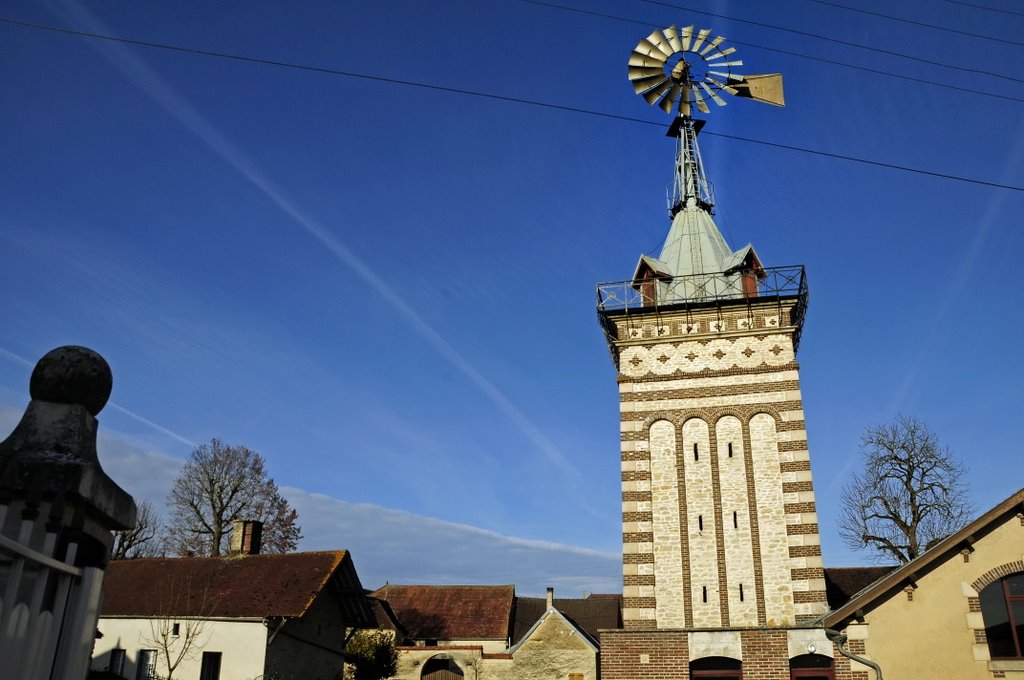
x: 985, y: 7
x: 922, y: 24
x: 490, y: 95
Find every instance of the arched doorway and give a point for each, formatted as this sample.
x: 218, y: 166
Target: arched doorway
x: 811, y: 667
x: 441, y: 667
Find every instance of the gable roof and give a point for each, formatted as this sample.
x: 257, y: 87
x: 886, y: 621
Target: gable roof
x: 249, y: 586
x: 451, y: 612
x: 590, y: 615
x: 884, y: 587
x: 842, y: 583
x: 552, y: 612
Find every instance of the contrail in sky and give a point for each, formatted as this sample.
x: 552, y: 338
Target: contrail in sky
x: 18, y: 359
x: 152, y: 84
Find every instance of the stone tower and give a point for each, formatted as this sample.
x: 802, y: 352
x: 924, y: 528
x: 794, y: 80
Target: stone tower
x: 719, y: 528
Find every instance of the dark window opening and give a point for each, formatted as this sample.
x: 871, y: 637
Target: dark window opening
x: 705, y: 591
x: 116, y: 665
x: 700, y: 522
x: 716, y: 667
x: 147, y: 665
x: 811, y: 667
x: 696, y: 456
x: 176, y: 629
x: 1002, y: 608
x: 741, y: 592
x: 210, y: 669
x: 730, y: 449
x: 735, y: 520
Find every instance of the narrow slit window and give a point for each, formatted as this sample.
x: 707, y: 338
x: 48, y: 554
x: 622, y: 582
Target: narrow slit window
x: 741, y: 592
x: 696, y: 455
x: 700, y: 522
x: 735, y: 520
x: 705, y: 591
x: 730, y: 449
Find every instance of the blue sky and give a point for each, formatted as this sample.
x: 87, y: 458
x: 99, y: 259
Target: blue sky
x: 389, y: 290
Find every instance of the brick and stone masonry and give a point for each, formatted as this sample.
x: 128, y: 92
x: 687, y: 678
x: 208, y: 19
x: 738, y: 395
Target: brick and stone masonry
x: 719, y: 522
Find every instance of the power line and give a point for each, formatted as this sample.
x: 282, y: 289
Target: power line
x: 489, y: 95
x: 800, y: 55
x: 918, y: 23
x: 837, y: 41
x: 984, y: 7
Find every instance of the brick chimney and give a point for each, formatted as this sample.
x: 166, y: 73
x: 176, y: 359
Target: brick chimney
x: 246, y: 537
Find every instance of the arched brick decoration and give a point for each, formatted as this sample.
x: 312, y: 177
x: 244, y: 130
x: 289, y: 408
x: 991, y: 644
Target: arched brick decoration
x: 702, y: 538
x: 665, y: 527
x: 993, y: 575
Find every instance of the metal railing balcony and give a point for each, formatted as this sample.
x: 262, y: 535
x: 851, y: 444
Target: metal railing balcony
x: 774, y: 283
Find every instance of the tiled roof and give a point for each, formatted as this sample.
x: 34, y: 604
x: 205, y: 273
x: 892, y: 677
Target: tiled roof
x: 251, y: 586
x: 842, y: 583
x: 451, y: 612
x: 590, y: 615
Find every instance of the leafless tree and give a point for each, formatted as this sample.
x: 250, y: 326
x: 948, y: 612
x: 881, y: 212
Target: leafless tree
x: 219, y: 484
x: 180, y: 631
x: 142, y: 541
x: 910, y: 495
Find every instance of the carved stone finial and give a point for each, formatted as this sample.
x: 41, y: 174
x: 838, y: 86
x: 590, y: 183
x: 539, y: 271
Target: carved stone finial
x: 72, y: 375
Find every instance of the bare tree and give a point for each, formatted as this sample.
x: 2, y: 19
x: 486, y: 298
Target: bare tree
x: 141, y: 541
x: 910, y: 495
x: 180, y: 632
x: 219, y: 484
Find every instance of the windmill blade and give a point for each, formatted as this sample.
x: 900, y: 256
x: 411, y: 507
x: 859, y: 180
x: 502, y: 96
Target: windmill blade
x: 637, y: 72
x: 641, y: 59
x: 655, y: 93
x: 765, y: 87
x: 644, y: 84
x: 712, y: 45
x: 661, y: 42
x: 731, y: 77
x: 672, y: 33
x: 687, y: 34
x: 738, y: 62
x: 701, y: 37
x: 723, y: 86
x: 669, y: 100
x: 701, y: 105
x: 714, y: 97
x: 720, y: 54
x: 649, y: 49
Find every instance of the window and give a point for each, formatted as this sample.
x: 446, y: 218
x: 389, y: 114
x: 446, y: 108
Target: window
x: 811, y: 667
x: 116, y: 662
x: 210, y: 669
x: 147, y: 665
x: 719, y: 667
x: 176, y: 629
x: 1002, y: 608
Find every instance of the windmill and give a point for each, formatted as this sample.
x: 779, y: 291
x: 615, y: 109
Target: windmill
x: 680, y: 69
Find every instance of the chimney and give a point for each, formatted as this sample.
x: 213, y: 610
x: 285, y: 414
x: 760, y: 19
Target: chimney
x: 551, y: 597
x: 246, y: 537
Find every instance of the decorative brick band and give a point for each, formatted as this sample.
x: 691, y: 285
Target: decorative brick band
x: 801, y: 529
x: 636, y: 496
x: 636, y: 517
x: 711, y: 391
x: 794, y: 465
x: 710, y: 414
x: 805, y: 551
x: 638, y: 603
x: 790, y: 425
x: 639, y: 558
x: 807, y: 573
x: 637, y: 537
x: 755, y: 526
x: 999, y: 572
x: 634, y: 475
x: 808, y: 596
x: 708, y: 373
x: 793, y: 487
x: 799, y: 508
x: 795, y: 445
x: 638, y: 580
